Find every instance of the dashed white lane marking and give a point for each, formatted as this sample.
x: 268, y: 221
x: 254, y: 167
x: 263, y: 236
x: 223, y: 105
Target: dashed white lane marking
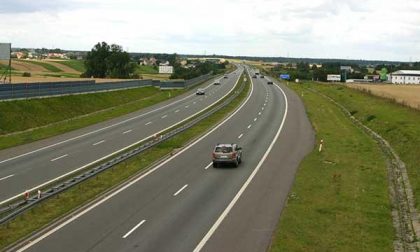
x: 241, y: 135
x: 249, y: 126
x: 255, y: 119
x: 102, y: 141
x: 265, y: 104
x: 7, y: 177
x: 176, y: 111
x: 133, y: 229
x: 127, y: 131
x: 164, y: 116
x: 180, y: 190
x: 259, y: 113
x: 208, y: 166
x: 187, y: 106
x: 148, y: 123
x: 262, y: 108
x: 194, y: 102
x: 60, y: 157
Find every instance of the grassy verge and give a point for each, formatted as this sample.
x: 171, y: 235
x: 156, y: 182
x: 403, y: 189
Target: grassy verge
x: 66, y: 75
x: 339, y: 201
x: 77, y: 65
x: 52, y: 116
x: 147, y: 70
x: 54, y: 208
x: 398, y: 124
x: 45, y: 65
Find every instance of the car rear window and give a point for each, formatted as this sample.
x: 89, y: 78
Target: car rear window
x: 223, y: 149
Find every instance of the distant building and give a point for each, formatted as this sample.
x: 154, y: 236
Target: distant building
x: 405, y: 77
x: 166, y: 69
x: 148, y: 61
x: 334, y: 77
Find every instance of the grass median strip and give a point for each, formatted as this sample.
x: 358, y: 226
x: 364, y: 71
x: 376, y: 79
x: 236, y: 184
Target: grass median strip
x: 339, y: 201
x: 69, y: 200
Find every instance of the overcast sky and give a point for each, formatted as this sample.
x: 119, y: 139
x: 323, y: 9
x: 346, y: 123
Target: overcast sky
x: 349, y: 29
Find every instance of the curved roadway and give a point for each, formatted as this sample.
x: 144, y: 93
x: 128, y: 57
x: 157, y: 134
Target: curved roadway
x: 30, y: 166
x: 184, y: 204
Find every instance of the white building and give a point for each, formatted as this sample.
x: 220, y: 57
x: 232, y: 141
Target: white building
x: 166, y: 69
x: 333, y: 77
x: 405, y: 77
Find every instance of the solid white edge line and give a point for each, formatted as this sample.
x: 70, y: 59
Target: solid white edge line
x: 245, y: 185
x: 76, y: 216
x: 98, y: 130
x: 121, y: 150
x: 208, y: 166
x: 180, y: 190
x: 60, y: 157
x: 7, y: 177
x: 241, y: 135
x: 102, y: 141
x: 127, y: 131
x: 133, y: 229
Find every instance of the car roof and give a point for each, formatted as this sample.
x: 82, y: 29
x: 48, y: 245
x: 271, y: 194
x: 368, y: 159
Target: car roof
x: 224, y: 145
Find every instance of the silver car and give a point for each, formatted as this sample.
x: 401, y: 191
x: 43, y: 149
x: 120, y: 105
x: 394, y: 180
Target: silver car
x: 200, y: 91
x: 227, y: 154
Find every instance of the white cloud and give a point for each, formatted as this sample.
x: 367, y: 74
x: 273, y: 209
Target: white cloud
x: 372, y: 29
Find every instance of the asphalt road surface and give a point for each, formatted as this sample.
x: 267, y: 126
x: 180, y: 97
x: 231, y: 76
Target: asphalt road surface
x: 184, y: 204
x: 30, y: 166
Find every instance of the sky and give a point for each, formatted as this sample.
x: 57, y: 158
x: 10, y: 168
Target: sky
x: 347, y: 29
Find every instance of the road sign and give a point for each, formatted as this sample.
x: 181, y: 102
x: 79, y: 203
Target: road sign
x: 285, y: 76
x: 5, y: 49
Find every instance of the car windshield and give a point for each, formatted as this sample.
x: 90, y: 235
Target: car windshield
x: 223, y: 149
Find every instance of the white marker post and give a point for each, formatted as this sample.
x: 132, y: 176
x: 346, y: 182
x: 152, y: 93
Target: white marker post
x: 320, y: 145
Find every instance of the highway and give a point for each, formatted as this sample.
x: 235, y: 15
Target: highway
x: 184, y: 204
x: 31, y: 166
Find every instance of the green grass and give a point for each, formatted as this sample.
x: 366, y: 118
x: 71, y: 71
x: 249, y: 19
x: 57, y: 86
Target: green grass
x: 66, y: 75
x: 147, y: 70
x: 4, y: 67
x: 58, y: 115
x: 398, y: 124
x: 45, y: 65
x: 339, y: 201
x: 69, y: 200
x: 77, y: 65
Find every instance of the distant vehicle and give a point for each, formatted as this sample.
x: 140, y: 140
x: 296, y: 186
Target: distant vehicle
x: 254, y: 76
x: 227, y: 154
x: 216, y: 83
x: 270, y: 82
x: 225, y: 77
x: 200, y: 91
x: 261, y: 76
x: 257, y: 73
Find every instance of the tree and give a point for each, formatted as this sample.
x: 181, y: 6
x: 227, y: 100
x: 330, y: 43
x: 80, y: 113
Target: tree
x: 108, y: 61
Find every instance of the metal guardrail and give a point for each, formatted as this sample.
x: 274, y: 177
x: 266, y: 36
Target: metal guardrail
x: 13, y: 210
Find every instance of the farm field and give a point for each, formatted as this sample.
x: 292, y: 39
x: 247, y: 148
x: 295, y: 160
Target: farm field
x: 408, y: 95
x: 51, y: 70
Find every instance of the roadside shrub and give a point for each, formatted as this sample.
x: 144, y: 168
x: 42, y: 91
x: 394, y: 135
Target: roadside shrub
x: 26, y: 74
